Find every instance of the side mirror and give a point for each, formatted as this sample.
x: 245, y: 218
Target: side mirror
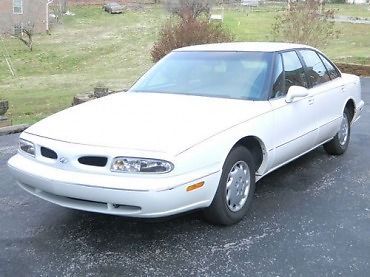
x: 296, y: 92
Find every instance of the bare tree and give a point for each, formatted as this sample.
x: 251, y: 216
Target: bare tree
x: 321, y: 2
x: 63, y: 6
x: 289, y: 4
x: 322, y: 5
x: 24, y: 24
x: 32, y: 18
x: 176, y: 34
x: 25, y: 34
x: 305, y: 22
x: 189, y: 8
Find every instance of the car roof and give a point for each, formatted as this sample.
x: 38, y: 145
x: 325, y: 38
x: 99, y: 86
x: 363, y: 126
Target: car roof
x: 244, y: 47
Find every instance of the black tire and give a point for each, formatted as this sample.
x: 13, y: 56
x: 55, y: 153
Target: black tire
x: 335, y: 147
x: 219, y: 212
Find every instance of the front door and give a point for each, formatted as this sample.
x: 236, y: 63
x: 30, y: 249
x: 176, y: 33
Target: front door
x: 295, y: 130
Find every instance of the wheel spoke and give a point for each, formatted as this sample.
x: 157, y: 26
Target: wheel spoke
x: 237, y: 187
x: 229, y: 183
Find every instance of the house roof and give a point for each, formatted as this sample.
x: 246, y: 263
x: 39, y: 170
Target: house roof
x: 244, y: 47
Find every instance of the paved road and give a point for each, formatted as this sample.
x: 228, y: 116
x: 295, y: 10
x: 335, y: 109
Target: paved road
x: 310, y: 218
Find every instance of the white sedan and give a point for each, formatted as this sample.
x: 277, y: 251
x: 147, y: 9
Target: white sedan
x: 195, y: 132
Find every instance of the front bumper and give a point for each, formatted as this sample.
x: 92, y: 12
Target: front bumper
x: 101, y: 193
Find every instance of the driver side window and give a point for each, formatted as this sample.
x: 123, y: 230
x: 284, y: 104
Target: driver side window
x: 278, y: 89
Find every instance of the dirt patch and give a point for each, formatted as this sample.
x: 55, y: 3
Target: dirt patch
x: 359, y: 70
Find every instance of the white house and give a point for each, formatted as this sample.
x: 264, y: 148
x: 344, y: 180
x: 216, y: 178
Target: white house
x: 357, y: 1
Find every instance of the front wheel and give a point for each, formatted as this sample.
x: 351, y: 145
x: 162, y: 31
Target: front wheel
x: 339, y: 144
x: 235, y: 190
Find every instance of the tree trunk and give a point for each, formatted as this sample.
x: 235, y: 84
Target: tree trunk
x: 63, y: 6
x: 322, y: 5
x: 289, y: 4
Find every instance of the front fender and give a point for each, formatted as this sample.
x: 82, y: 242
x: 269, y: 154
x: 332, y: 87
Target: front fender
x: 213, y: 151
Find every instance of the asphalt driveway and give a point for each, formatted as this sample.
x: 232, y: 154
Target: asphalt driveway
x: 310, y: 218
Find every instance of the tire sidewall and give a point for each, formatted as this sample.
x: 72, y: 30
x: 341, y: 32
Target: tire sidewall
x: 345, y: 146
x: 237, y: 154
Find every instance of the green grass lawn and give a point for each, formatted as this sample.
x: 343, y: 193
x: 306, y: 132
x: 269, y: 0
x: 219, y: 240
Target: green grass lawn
x: 94, y: 47
x: 352, y: 10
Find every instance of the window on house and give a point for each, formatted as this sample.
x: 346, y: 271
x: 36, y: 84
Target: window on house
x: 17, y: 6
x: 18, y: 29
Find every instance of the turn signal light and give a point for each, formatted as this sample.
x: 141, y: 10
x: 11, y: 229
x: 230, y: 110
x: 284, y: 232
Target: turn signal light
x: 195, y: 186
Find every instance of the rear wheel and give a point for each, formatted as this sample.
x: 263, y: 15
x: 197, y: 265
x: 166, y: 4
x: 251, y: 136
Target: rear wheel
x: 235, y: 190
x: 339, y: 144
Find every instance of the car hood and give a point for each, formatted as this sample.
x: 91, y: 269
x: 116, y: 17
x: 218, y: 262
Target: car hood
x: 155, y: 122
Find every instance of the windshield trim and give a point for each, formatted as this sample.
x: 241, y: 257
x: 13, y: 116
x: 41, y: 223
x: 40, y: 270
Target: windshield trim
x: 196, y: 95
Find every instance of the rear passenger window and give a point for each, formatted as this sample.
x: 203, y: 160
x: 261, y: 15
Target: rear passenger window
x: 316, y: 71
x: 333, y: 72
x: 294, y: 72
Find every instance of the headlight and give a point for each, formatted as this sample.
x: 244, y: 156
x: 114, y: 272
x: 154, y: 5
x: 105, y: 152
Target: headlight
x: 140, y: 165
x: 27, y: 147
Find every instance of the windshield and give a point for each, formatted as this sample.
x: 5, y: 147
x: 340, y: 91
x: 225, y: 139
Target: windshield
x: 237, y: 75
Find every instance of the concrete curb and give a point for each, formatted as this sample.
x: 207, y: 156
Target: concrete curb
x: 13, y: 129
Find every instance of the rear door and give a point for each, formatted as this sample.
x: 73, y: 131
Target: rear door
x: 327, y: 90
x: 295, y: 130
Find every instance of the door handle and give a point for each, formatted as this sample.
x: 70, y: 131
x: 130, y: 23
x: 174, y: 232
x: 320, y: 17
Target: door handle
x: 311, y: 100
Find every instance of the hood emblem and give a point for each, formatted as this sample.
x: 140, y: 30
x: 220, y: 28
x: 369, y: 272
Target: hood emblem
x: 63, y: 160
